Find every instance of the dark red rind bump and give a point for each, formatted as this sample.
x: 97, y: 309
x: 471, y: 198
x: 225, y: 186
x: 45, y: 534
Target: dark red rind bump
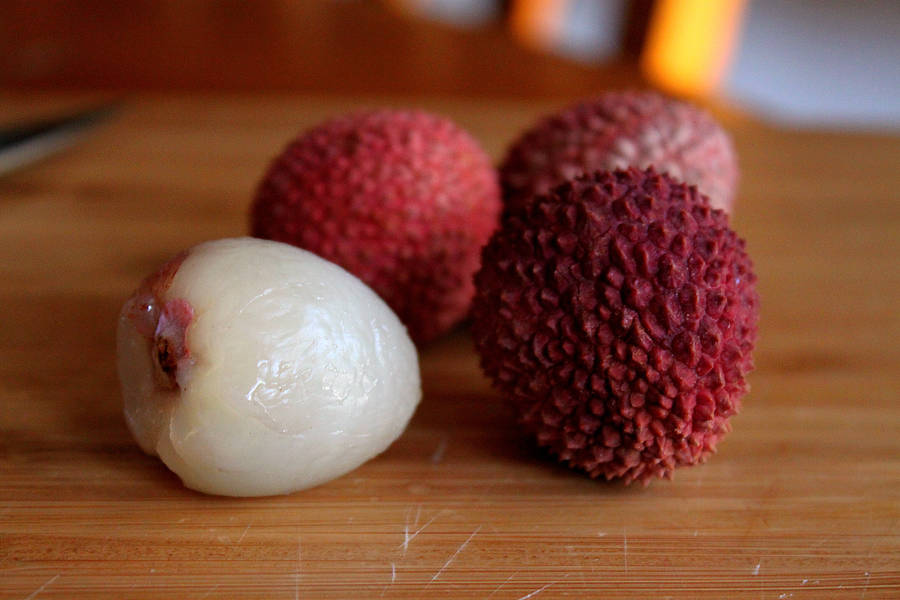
x: 618, y: 315
x: 403, y: 200
x: 618, y: 130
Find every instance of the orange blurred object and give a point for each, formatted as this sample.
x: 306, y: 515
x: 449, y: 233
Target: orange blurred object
x: 689, y: 44
x: 537, y: 23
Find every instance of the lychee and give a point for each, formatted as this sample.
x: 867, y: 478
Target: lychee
x: 253, y: 368
x: 404, y: 200
x: 617, y: 315
x: 620, y: 130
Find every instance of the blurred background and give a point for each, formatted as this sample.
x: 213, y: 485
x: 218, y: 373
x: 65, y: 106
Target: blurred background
x: 823, y: 63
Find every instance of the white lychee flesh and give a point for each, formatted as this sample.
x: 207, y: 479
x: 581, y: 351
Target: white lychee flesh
x: 255, y: 368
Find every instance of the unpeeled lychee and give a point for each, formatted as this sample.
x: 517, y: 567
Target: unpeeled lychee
x: 620, y: 130
x: 255, y: 368
x: 402, y: 199
x: 617, y: 315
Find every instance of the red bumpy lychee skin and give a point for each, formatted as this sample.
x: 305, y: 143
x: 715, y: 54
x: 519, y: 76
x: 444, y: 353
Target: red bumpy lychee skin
x: 620, y: 130
x: 618, y: 315
x: 403, y: 200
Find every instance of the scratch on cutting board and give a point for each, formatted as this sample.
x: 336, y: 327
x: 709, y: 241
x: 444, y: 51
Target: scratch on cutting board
x: 210, y: 591
x: 438, y: 455
x: 756, y: 568
x: 244, y: 533
x: 406, y: 531
x: 393, y: 577
x: 866, y: 588
x: 625, y: 547
x: 454, y: 555
x: 407, y: 537
x: 415, y: 523
x: 539, y: 590
x: 41, y: 589
x: 501, y: 585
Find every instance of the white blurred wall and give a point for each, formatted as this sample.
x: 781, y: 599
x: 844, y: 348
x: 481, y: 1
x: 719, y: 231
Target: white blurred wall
x: 820, y: 62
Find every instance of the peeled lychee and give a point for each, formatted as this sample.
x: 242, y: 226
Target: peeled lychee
x: 617, y: 315
x: 404, y: 200
x: 620, y: 130
x: 255, y: 368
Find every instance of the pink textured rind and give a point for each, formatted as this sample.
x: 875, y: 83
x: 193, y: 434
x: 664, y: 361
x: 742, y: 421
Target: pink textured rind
x: 164, y: 323
x: 618, y: 315
x: 620, y: 130
x: 404, y: 200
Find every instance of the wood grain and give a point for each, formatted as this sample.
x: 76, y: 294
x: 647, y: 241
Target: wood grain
x: 802, y: 500
x: 323, y: 46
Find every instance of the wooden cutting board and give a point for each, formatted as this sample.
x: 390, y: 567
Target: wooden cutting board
x: 802, y: 500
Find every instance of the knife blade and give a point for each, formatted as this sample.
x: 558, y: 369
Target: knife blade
x: 22, y: 144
